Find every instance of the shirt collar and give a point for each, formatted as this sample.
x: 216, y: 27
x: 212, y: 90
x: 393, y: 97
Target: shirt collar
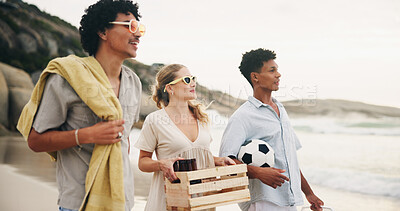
x: 124, y: 72
x: 257, y: 103
x: 124, y: 77
x: 124, y: 84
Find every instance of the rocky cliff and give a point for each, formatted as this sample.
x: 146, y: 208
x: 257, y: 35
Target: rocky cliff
x: 29, y: 38
x: 338, y: 109
x: 15, y: 90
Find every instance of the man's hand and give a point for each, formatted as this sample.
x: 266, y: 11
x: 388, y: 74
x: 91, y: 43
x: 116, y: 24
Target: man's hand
x: 315, y: 202
x: 102, y: 133
x: 270, y: 176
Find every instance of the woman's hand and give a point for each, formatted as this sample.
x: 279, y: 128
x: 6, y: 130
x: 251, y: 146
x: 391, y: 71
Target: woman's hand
x: 223, y: 161
x: 167, y: 167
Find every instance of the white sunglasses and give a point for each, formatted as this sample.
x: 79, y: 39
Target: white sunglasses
x: 134, y: 26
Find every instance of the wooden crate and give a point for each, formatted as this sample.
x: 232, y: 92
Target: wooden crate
x: 219, y: 186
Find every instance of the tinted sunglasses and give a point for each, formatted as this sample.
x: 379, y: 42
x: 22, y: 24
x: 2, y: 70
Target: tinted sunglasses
x: 134, y: 26
x: 185, y: 79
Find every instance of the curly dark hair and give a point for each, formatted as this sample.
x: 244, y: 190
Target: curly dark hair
x: 97, y: 17
x: 253, y: 61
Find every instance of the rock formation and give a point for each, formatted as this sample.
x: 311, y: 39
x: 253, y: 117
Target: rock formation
x: 15, y: 90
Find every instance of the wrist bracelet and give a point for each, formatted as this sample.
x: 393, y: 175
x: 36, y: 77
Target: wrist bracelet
x: 76, y: 139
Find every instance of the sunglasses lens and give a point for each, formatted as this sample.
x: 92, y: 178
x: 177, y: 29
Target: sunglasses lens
x: 187, y: 80
x: 134, y: 26
x: 142, y: 29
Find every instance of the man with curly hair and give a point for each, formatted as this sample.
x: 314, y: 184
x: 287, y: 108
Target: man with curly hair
x: 262, y: 117
x: 83, y: 104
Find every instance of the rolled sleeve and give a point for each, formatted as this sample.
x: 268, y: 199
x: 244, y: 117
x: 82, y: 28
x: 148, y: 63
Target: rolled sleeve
x: 53, y: 108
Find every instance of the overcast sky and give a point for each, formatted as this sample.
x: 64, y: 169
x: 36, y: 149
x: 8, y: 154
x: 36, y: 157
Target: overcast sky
x: 325, y: 49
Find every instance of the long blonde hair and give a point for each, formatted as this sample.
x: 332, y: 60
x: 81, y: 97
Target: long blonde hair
x: 165, y: 76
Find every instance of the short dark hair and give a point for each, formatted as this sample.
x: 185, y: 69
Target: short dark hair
x: 253, y: 61
x: 97, y: 17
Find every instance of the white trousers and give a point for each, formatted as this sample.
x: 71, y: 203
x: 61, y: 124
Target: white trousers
x: 268, y: 206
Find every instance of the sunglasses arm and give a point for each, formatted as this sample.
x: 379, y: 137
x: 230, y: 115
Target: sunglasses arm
x: 121, y: 23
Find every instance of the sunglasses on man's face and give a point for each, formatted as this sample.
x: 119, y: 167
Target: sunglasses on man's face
x: 134, y: 26
x: 185, y: 79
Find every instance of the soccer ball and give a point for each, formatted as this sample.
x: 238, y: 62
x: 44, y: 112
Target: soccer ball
x: 257, y: 153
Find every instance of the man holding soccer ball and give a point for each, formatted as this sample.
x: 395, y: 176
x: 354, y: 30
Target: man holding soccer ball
x: 263, y: 117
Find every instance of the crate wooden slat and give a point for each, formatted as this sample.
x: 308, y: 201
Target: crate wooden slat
x: 213, y: 199
x: 220, y: 186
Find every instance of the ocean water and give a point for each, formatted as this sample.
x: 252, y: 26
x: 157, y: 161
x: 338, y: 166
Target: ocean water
x: 350, y: 164
x: 357, y: 163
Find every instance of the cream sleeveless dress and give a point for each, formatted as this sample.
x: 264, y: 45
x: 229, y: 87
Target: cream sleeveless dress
x: 160, y: 134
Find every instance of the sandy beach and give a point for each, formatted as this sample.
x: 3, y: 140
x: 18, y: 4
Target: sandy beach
x: 27, y: 179
x: 22, y: 192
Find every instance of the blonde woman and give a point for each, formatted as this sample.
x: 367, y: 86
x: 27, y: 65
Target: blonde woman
x: 178, y: 130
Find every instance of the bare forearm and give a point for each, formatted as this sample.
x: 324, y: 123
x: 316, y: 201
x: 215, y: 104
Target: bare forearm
x: 305, y: 187
x: 315, y: 202
x: 147, y: 164
x: 100, y: 133
x: 251, y: 170
x: 51, y: 141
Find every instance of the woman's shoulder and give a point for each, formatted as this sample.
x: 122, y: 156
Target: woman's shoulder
x: 158, y: 113
x: 156, y: 116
